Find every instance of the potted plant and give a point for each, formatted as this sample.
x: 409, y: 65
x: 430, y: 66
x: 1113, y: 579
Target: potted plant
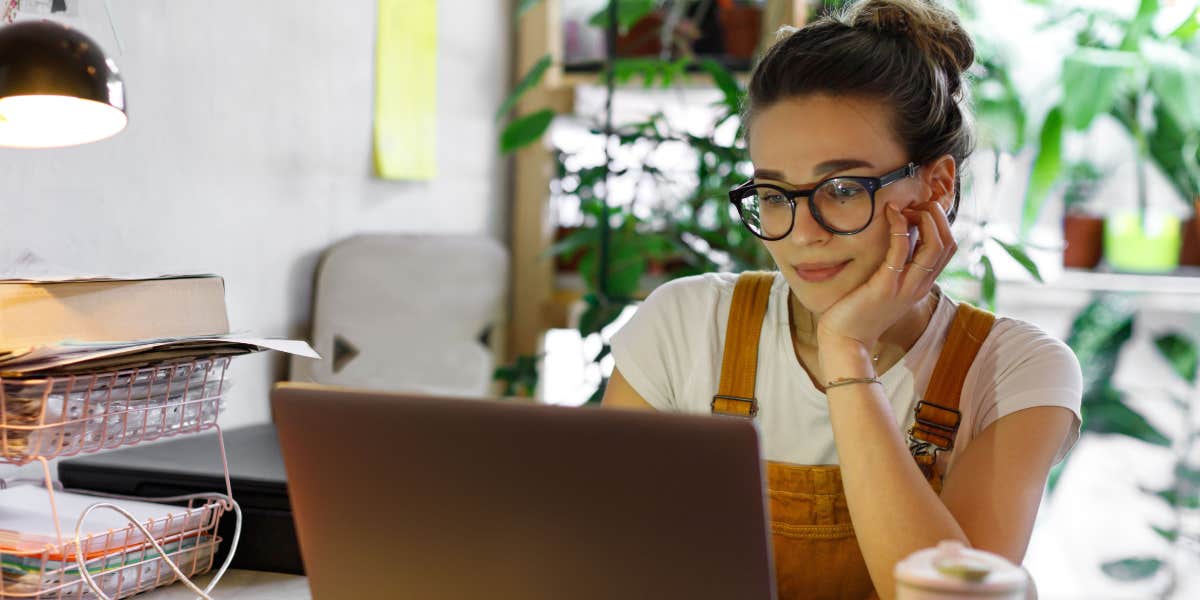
x: 1143, y: 79
x: 1083, y: 225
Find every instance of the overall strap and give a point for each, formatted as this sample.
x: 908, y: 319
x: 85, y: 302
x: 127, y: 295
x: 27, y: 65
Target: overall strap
x: 937, y: 414
x: 739, y: 363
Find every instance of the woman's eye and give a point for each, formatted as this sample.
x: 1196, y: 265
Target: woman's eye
x: 773, y: 198
x: 847, y: 191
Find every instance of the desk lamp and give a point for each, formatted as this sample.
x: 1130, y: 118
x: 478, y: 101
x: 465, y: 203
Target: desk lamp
x: 56, y: 87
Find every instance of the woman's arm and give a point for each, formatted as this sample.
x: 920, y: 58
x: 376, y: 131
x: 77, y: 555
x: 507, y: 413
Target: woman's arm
x: 989, y: 501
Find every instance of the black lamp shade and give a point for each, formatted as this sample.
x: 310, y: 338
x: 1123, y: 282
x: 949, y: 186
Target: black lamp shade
x: 56, y: 87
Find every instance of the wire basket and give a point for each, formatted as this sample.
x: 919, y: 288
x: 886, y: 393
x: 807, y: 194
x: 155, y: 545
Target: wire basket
x: 70, y: 414
x: 121, y: 562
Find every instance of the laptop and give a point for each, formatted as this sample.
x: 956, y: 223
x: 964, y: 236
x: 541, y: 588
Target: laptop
x: 404, y: 496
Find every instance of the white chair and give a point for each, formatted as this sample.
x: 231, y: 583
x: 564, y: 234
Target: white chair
x: 408, y: 313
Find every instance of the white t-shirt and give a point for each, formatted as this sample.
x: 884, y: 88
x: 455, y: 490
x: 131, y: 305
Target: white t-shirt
x: 671, y: 351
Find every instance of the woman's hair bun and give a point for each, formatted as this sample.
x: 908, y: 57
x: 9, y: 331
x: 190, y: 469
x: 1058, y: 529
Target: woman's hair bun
x: 934, y: 29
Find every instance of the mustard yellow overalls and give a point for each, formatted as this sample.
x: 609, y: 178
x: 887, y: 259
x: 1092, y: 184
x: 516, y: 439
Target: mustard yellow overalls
x: 816, y: 553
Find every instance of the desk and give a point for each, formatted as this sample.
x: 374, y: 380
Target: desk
x: 239, y: 585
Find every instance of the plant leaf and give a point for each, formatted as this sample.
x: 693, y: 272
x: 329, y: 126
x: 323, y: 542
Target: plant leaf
x: 1188, y: 475
x: 1020, y: 256
x: 525, y: 130
x: 726, y: 83
x: 1175, y: 79
x: 598, y: 314
x: 1097, y: 335
x: 1187, y: 29
x: 1115, y: 417
x: 628, y: 13
x: 527, y: 82
x: 522, y: 374
x: 598, y: 395
x: 576, y: 240
x: 1132, y: 569
x: 1180, y: 351
x: 1169, y: 534
x: 1046, y: 168
x: 988, y: 284
x: 626, y: 264
x: 1141, y: 25
x: 1090, y: 79
x: 1185, y: 501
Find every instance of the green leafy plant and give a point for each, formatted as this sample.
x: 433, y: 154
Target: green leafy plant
x: 1097, y: 336
x: 1183, y: 495
x: 1147, y: 81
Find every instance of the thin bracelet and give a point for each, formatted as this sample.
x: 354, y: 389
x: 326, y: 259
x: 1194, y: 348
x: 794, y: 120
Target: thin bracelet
x: 851, y: 380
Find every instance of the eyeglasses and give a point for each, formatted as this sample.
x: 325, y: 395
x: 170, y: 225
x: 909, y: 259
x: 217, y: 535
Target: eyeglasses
x: 842, y: 205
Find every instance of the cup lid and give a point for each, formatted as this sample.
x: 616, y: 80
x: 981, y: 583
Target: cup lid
x: 951, y: 566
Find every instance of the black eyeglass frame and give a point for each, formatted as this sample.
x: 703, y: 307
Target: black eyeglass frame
x: 871, y: 184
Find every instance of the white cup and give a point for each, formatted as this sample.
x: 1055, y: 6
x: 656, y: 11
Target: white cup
x: 953, y: 571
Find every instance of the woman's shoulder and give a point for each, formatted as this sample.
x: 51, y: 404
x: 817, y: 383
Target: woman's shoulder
x: 695, y: 299
x: 695, y: 292
x: 1020, y: 355
x: 697, y: 285
x: 1025, y: 340
x: 1013, y: 337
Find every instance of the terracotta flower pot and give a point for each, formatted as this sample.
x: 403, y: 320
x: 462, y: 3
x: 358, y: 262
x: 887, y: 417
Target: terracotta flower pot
x: 1084, y: 237
x: 566, y: 263
x: 742, y: 27
x: 643, y: 38
x: 1189, y: 253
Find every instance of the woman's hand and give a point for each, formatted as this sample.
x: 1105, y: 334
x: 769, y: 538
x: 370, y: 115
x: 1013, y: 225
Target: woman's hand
x: 858, y: 319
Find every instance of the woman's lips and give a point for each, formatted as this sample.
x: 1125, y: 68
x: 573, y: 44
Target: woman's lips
x: 814, y: 273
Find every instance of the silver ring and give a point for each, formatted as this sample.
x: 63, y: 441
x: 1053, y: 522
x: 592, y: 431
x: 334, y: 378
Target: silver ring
x: 895, y: 269
x: 922, y: 267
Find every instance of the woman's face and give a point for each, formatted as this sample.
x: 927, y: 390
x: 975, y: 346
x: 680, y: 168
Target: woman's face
x: 795, y: 144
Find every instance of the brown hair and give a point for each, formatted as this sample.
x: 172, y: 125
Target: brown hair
x: 910, y: 54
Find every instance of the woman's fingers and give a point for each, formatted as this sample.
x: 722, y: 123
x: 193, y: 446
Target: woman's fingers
x: 930, y: 256
x: 894, y: 262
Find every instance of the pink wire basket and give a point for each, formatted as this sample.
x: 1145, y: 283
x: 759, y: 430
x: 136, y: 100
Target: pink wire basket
x: 121, y: 561
x: 72, y: 414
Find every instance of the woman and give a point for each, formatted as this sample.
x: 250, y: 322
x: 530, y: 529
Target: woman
x: 892, y: 417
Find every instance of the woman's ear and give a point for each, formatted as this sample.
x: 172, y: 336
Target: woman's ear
x: 939, y: 176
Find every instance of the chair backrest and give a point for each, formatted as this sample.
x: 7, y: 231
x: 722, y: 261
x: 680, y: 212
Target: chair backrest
x: 407, y: 313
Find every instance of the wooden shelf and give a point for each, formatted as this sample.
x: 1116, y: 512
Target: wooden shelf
x: 1175, y: 292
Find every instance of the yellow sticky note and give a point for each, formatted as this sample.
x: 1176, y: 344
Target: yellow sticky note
x: 406, y: 90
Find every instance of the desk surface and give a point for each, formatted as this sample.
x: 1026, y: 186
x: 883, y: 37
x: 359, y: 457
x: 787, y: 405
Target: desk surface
x: 239, y: 585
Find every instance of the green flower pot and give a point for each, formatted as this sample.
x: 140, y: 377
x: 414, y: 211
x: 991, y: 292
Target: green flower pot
x: 1127, y: 247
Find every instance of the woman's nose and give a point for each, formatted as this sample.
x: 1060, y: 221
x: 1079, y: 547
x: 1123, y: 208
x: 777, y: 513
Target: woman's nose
x: 805, y: 227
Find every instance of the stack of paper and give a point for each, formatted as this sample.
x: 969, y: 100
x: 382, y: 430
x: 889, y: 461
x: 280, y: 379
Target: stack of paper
x: 47, y: 416
x: 34, y: 559
x: 85, y: 357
